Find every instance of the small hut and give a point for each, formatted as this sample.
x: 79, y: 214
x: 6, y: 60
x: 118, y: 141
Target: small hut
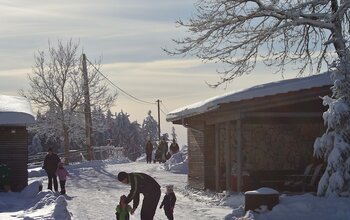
x: 15, y: 114
x: 265, y: 131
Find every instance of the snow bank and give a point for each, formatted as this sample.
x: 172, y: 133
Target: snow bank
x: 305, y: 206
x: 33, y: 204
x: 178, y: 163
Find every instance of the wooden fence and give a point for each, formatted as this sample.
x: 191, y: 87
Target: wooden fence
x: 100, y: 153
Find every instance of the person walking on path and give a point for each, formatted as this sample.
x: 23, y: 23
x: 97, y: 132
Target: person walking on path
x: 163, y: 146
x: 169, y: 201
x: 50, y: 166
x: 149, y: 149
x: 62, y: 174
x: 148, y: 186
x: 174, y: 147
x: 123, y: 210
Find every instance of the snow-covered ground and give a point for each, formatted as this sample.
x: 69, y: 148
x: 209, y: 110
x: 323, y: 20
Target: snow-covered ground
x: 93, y: 193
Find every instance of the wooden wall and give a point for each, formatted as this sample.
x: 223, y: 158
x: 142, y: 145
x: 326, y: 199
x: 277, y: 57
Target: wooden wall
x: 195, y: 158
x: 209, y: 158
x: 279, y: 146
x: 14, y: 153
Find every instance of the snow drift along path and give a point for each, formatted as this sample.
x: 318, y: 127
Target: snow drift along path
x: 93, y: 193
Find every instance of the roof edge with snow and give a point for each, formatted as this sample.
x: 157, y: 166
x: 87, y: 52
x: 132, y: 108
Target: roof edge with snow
x: 15, y: 110
x: 273, y: 88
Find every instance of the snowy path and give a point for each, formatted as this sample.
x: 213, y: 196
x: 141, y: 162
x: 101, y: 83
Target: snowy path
x: 94, y: 192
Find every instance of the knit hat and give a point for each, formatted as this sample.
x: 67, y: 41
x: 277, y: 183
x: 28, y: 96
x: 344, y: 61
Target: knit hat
x: 122, y: 176
x: 170, y: 188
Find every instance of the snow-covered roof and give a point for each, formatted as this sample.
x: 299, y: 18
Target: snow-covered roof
x: 15, y: 111
x: 273, y: 88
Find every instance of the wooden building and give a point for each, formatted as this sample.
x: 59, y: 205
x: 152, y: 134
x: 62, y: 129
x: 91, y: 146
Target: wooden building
x: 15, y: 115
x: 263, y: 130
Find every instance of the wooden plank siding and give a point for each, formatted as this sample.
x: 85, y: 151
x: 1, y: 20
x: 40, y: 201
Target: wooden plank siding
x: 14, y: 153
x: 209, y: 158
x: 196, y: 158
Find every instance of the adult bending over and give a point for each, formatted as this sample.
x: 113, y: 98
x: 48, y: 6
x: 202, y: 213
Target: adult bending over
x: 142, y: 183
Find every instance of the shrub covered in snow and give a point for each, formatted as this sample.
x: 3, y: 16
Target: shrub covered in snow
x: 334, y: 145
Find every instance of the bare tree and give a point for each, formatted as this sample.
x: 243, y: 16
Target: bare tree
x: 305, y: 33
x: 56, y: 82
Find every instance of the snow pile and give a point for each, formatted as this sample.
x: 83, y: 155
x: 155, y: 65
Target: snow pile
x: 262, y: 191
x: 33, y: 204
x: 142, y: 158
x: 305, y: 206
x: 178, y: 163
x: 32, y: 189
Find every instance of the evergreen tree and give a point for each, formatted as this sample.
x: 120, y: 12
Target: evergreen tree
x: 173, y: 133
x: 334, y: 144
x: 150, y: 128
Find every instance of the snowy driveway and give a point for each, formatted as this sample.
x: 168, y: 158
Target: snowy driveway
x: 93, y: 192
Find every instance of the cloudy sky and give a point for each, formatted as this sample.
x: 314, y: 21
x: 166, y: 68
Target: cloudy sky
x: 129, y: 36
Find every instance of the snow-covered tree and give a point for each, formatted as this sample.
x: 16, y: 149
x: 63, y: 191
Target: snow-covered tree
x: 127, y: 135
x: 335, y: 143
x: 150, y: 127
x: 306, y: 34
x: 56, y: 81
x: 100, y: 127
x: 35, y: 146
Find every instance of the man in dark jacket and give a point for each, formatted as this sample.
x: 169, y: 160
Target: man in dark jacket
x: 142, y: 183
x: 149, y: 149
x: 50, y: 166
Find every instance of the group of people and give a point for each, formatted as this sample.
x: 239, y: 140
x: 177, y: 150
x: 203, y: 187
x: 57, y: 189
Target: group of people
x: 162, y: 153
x: 139, y: 182
x: 148, y: 186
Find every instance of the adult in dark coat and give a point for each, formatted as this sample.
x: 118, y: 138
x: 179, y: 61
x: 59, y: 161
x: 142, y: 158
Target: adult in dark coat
x: 174, y: 147
x: 50, y: 166
x: 163, y: 146
x: 145, y: 184
x: 149, y: 149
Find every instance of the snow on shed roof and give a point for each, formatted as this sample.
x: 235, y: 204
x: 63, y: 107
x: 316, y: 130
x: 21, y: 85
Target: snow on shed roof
x: 15, y: 110
x: 273, y: 88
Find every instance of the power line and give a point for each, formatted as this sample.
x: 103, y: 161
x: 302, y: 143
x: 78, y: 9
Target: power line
x: 164, y: 107
x: 117, y: 87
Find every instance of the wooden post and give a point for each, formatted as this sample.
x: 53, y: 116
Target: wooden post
x: 87, y: 110
x: 227, y: 156
x: 217, y: 182
x: 158, y: 101
x: 239, y: 155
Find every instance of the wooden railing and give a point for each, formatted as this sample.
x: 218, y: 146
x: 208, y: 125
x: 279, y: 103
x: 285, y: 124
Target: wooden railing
x: 100, y: 153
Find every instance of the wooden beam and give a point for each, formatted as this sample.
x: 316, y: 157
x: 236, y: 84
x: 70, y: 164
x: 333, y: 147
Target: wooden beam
x: 227, y: 156
x: 217, y: 129
x: 239, y: 156
x: 283, y: 114
x: 221, y: 117
x: 260, y: 103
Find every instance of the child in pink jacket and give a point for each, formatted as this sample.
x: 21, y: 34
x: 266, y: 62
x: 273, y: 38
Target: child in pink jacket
x: 62, y: 174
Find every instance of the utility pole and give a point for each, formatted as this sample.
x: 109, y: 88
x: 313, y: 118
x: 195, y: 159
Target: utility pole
x: 158, y: 101
x: 87, y: 111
